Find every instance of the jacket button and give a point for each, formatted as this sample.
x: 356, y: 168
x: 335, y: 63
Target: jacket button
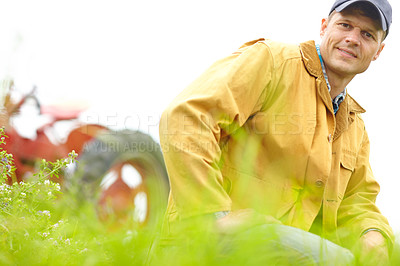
x: 319, y: 183
x: 330, y: 138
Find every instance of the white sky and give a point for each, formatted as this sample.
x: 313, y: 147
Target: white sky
x: 129, y: 59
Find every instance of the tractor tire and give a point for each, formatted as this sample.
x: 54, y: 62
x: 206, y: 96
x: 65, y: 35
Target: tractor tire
x: 124, y: 174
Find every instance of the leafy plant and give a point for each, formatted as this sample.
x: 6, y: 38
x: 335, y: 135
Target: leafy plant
x: 41, y: 225
x: 26, y: 208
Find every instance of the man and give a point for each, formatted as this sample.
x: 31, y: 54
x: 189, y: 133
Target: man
x: 271, y: 135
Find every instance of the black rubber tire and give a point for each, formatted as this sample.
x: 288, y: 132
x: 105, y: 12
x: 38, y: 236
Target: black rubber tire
x: 114, y: 147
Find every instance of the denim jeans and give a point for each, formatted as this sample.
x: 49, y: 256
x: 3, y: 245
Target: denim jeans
x: 275, y: 244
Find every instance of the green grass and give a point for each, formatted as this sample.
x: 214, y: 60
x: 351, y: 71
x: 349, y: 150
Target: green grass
x: 40, y: 225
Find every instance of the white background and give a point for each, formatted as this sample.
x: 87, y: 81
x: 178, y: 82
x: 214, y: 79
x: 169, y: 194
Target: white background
x: 128, y: 59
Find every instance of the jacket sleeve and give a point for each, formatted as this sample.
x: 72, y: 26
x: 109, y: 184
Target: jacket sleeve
x: 358, y: 211
x: 210, y: 109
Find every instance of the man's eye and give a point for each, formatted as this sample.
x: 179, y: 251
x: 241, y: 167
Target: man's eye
x: 367, y: 34
x: 345, y: 25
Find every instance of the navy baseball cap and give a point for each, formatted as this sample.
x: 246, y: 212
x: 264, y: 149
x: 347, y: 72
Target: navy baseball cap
x: 383, y: 7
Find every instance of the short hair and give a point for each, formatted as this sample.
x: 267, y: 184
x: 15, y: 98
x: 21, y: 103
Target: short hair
x: 364, y: 9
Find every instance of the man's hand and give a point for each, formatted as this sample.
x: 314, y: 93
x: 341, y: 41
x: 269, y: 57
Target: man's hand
x: 373, y: 249
x: 241, y: 220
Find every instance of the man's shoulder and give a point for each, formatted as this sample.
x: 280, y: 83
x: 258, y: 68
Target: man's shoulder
x: 289, y: 49
x: 277, y: 49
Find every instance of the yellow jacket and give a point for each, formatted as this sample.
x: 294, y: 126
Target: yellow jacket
x: 257, y: 130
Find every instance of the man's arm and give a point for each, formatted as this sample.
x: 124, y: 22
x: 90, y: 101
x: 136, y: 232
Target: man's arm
x: 210, y: 109
x: 360, y: 222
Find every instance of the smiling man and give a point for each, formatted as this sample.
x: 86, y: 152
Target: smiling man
x: 351, y: 40
x: 270, y: 137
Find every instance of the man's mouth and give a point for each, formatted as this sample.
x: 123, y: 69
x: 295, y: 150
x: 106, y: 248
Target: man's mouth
x: 347, y: 52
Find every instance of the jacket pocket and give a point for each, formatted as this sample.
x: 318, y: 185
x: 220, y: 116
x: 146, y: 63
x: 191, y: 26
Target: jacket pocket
x: 347, y: 165
x: 348, y: 160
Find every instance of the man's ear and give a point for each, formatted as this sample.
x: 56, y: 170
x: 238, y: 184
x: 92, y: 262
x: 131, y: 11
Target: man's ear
x: 379, y: 51
x: 324, y: 25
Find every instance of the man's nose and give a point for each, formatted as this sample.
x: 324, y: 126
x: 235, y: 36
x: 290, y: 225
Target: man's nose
x: 353, y: 37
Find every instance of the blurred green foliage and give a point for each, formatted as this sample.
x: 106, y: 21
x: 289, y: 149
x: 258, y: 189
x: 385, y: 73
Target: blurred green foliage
x: 41, y: 225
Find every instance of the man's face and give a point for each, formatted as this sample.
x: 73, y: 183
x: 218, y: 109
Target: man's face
x: 350, y: 42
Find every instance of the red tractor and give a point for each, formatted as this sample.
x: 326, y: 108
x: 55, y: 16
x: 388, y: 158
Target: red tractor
x: 123, y: 171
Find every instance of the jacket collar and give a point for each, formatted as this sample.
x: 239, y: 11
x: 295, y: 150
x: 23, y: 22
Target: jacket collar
x: 353, y: 106
x: 346, y: 115
x: 311, y: 59
x: 348, y: 108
